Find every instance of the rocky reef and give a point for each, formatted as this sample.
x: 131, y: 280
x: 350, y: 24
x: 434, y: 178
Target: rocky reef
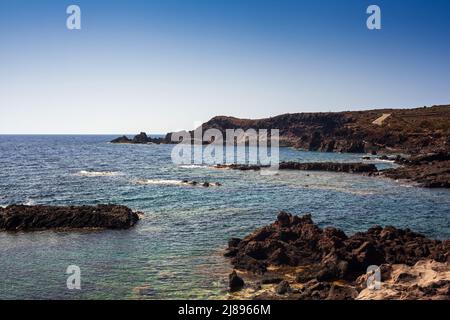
x: 40, y: 217
x: 141, y: 138
x: 293, y: 258
x: 431, y: 170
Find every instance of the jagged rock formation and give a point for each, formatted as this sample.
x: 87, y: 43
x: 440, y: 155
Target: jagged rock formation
x: 308, y: 166
x: 29, y: 218
x: 430, y: 170
x: 316, y: 257
x: 141, y: 138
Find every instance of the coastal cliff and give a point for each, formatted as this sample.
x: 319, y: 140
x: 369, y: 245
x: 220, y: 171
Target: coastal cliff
x: 408, y: 131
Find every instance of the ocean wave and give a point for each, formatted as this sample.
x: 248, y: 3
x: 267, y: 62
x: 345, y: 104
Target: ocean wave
x: 29, y: 202
x: 85, y: 173
x: 158, y: 181
x: 343, y: 190
x: 379, y: 160
x: 192, y: 166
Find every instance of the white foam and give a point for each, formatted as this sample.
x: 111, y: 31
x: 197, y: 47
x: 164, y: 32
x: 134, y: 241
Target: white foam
x: 29, y: 202
x: 85, y: 173
x: 158, y: 182
x: 378, y: 160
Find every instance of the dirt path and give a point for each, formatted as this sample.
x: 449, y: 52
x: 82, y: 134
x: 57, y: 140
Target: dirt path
x: 379, y: 121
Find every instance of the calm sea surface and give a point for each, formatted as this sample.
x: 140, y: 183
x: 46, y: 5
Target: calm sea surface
x: 175, y: 250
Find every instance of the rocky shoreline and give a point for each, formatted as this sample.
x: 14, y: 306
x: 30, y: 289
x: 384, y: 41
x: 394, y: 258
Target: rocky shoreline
x: 431, y: 170
x: 293, y: 258
x: 356, y: 167
x: 40, y: 217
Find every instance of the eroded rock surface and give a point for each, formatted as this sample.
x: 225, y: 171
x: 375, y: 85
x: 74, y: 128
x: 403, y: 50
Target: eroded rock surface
x: 427, y: 279
x: 40, y: 217
x: 326, y: 263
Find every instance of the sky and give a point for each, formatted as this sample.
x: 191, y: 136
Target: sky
x: 167, y: 65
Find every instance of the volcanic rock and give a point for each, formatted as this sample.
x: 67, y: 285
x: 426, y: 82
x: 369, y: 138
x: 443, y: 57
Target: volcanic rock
x: 40, y: 217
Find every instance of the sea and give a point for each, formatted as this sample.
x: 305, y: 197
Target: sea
x: 176, y: 249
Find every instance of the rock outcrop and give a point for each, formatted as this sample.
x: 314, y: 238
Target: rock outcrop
x: 316, y: 258
x: 141, y: 138
x: 309, y: 166
x: 40, y: 217
x: 431, y: 170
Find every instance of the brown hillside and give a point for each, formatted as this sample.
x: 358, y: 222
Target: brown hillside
x: 399, y: 130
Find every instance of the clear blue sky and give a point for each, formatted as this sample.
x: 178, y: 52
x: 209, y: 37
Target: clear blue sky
x: 165, y: 65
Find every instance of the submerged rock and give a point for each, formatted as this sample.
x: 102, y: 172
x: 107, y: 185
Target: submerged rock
x: 40, y: 217
x: 356, y: 167
x: 283, y: 287
x: 122, y: 139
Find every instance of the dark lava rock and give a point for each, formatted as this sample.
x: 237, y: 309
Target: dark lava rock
x: 309, y: 166
x: 142, y: 138
x: 271, y: 280
x: 330, y: 253
x: 28, y: 218
x: 235, y: 282
x: 329, y: 166
x: 122, y: 139
x: 315, y: 290
x: 283, y: 287
x: 429, y: 171
x: 337, y: 292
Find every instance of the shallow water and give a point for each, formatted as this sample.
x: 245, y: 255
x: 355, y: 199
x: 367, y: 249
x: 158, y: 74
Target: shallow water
x: 175, y: 250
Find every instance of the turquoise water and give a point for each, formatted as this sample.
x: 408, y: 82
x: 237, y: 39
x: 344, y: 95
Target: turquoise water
x: 175, y: 250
